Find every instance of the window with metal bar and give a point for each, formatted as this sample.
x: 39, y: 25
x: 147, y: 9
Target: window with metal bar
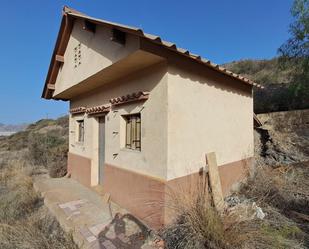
x: 133, y: 131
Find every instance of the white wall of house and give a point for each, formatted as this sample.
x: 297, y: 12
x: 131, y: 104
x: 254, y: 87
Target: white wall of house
x: 152, y: 159
x: 206, y: 115
x: 191, y: 110
x: 97, y: 52
x: 186, y: 116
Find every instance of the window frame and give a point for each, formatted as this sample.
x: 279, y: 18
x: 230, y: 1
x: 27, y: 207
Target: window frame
x: 133, y: 132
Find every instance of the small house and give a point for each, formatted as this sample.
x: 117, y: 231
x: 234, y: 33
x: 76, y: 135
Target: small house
x: 144, y: 112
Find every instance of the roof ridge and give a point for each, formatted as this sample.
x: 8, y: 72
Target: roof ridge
x: 66, y: 9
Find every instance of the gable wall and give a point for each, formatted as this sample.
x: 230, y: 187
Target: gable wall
x: 207, y: 112
x: 97, y: 52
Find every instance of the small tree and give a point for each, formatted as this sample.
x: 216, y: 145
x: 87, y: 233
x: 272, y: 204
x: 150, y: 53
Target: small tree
x: 294, y: 53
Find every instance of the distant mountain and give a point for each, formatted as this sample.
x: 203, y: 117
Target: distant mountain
x: 12, y: 128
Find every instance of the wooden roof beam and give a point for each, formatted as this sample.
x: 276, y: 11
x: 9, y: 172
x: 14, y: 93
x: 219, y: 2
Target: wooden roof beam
x: 51, y: 87
x: 59, y: 58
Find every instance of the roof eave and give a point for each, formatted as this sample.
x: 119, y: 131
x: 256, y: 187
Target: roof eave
x: 65, y: 27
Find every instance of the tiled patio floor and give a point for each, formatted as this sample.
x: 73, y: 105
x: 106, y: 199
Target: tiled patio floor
x: 94, y: 223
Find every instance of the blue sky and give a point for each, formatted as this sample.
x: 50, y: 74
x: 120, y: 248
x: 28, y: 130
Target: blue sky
x: 221, y: 31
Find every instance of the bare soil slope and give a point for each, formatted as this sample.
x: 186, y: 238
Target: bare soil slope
x: 283, y: 137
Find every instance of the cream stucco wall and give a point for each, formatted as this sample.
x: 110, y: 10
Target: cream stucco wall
x: 206, y: 112
x: 191, y: 109
x: 188, y: 114
x: 97, y: 53
x: 152, y: 159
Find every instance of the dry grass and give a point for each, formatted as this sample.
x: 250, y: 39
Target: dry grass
x: 281, y: 192
x: 197, y: 223
x: 49, y: 149
x: 277, y: 191
x: 45, y: 143
x: 24, y: 223
x: 35, y: 233
x: 275, y: 231
x: 285, y: 187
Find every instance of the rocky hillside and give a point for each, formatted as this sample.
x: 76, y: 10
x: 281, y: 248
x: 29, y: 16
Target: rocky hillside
x: 283, y: 138
x: 45, y: 143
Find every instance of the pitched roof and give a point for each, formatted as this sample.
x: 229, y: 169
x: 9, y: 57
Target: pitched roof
x: 69, y: 12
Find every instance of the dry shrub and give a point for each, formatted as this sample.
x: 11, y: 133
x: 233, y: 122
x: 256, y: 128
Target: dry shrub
x: 50, y: 151
x: 57, y: 163
x: 36, y: 232
x: 197, y: 223
x: 46, y: 142
x: 274, y: 232
x: 285, y: 188
x: 24, y: 223
x: 18, y: 198
x: 280, y: 192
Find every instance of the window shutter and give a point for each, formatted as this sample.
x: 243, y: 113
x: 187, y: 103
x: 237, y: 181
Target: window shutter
x: 83, y: 131
x: 138, y: 133
x: 79, y: 131
x: 128, y: 133
x: 133, y: 129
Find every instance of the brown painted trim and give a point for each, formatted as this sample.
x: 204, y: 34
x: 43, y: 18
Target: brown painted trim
x: 59, y: 49
x: 80, y: 168
x: 231, y: 174
x: 147, y: 197
x: 59, y: 58
x: 138, y: 173
x: 244, y: 163
x: 51, y: 87
x: 141, y: 195
x: 130, y: 98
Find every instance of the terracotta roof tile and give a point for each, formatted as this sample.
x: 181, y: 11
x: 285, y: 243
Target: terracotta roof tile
x: 129, y: 98
x: 97, y: 109
x: 78, y: 110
